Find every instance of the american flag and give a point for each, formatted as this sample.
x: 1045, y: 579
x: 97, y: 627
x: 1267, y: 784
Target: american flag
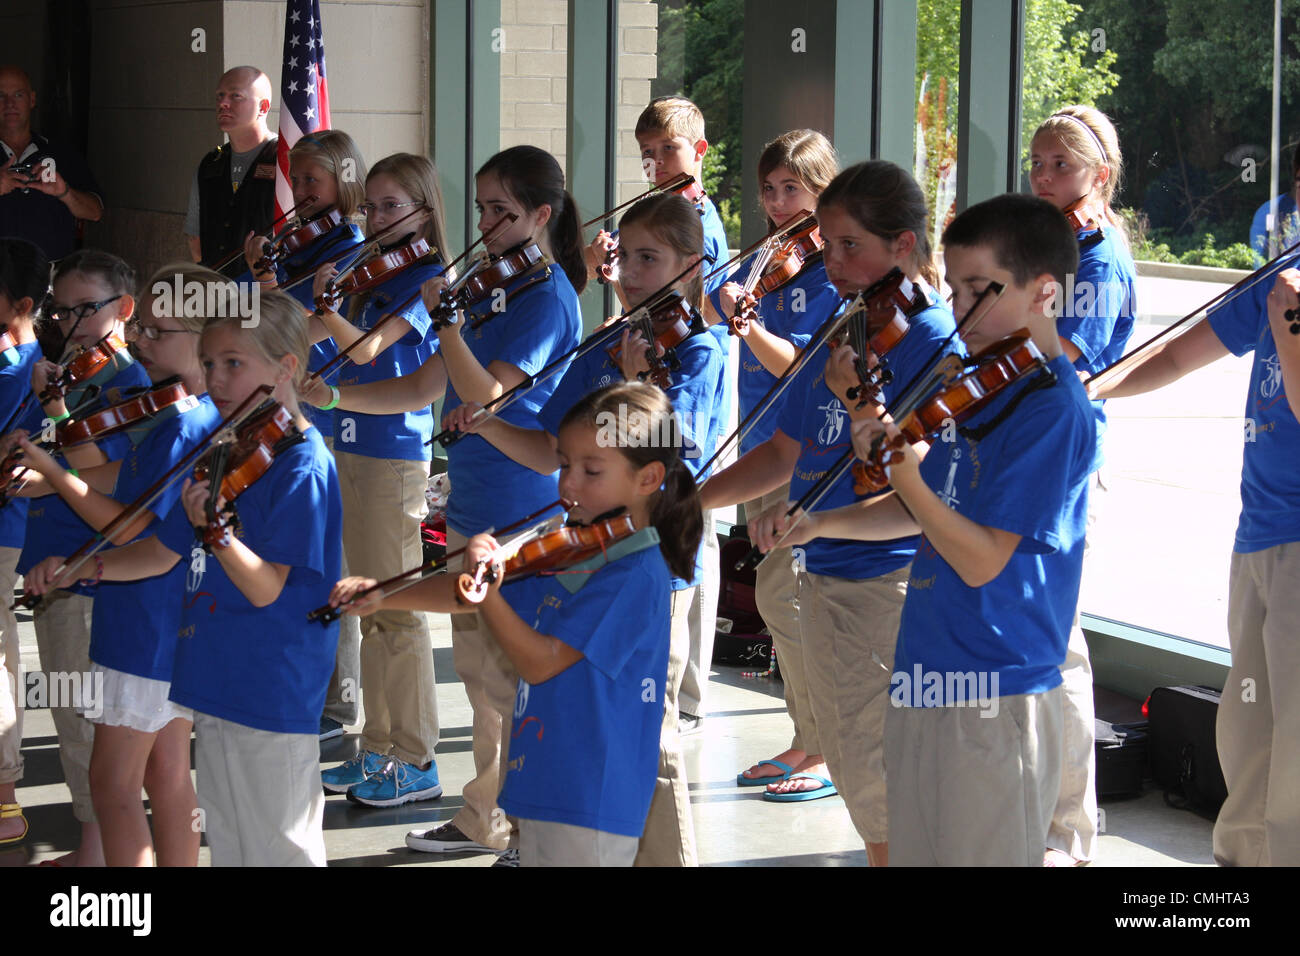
x: 304, y: 99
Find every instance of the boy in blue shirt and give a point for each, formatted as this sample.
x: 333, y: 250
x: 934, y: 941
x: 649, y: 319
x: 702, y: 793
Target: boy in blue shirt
x: 972, y: 739
x: 1259, y: 713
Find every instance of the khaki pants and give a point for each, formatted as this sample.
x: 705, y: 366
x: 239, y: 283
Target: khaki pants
x: 62, y: 623
x: 669, y: 837
x: 1074, y: 821
x: 343, y: 699
x: 703, y: 627
x: 971, y: 790
x: 849, y: 631
x: 1259, y: 713
x: 491, y: 684
x: 260, y: 794
x: 776, y: 591
x: 12, y: 686
x: 383, y: 504
x: 542, y: 843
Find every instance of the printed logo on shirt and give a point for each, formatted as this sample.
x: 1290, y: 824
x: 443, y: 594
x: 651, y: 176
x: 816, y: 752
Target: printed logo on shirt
x: 949, y: 493
x: 521, y: 699
x: 1271, y: 380
x: 835, y: 411
x: 198, y: 566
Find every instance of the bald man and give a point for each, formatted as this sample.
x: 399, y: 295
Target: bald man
x: 233, y: 191
x: 44, y: 188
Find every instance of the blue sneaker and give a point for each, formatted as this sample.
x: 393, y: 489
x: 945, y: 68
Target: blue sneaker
x: 357, y: 770
x: 399, y: 782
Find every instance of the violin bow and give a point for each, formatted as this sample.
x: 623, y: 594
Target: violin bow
x: 345, y: 354
x: 103, y: 537
x: 327, y: 613
x: 1192, y: 319
x: 910, y: 397
x: 680, y: 181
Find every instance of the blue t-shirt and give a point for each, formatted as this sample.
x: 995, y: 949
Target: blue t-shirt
x: 267, y: 668
x: 715, y: 246
x: 490, y: 489
x: 794, y: 312
x: 695, y: 392
x: 1098, y: 310
x: 1028, y: 476
x: 818, y: 420
x: 400, y: 436
x: 52, y: 526
x: 20, y: 409
x: 339, y: 242
x: 1270, y: 473
x: 134, y: 623
x: 584, y: 748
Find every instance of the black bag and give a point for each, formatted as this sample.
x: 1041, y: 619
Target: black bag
x: 1184, y: 758
x: 747, y: 644
x: 1121, y: 758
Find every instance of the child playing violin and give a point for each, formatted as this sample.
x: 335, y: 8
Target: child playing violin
x: 92, y: 301
x: 515, y: 329
x: 972, y: 739
x: 327, y: 175
x: 1075, y: 164
x: 248, y: 662
x: 793, y: 169
x: 24, y: 284
x: 383, y: 465
x: 873, y: 220
x: 1259, y: 823
x: 587, y: 711
x: 657, y: 242
x: 141, y: 738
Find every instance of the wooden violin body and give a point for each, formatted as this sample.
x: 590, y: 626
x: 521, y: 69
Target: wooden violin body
x: 84, y: 364
x: 988, y: 373
x: 481, y: 282
x: 235, y: 462
x: 297, y: 240
x: 124, y: 414
x: 375, y: 271
x: 667, y: 326
x: 547, y: 552
x: 875, y: 326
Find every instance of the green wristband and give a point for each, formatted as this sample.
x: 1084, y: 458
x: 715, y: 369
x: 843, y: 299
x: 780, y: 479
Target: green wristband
x: 334, y: 399
x: 61, y: 418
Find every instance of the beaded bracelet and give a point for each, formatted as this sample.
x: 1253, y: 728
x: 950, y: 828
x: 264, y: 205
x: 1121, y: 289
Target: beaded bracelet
x: 99, y: 573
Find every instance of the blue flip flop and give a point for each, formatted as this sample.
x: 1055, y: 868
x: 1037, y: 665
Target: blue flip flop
x: 743, y: 781
x: 827, y: 789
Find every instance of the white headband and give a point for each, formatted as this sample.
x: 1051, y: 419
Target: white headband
x: 1101, y: 150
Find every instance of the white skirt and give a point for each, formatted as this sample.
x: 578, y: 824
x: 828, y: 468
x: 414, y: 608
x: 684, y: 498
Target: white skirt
x: 126, y: 700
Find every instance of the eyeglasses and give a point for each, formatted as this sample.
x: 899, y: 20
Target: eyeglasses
x: 61, y: 313
x: 368, y: 209
x: 152, y: 332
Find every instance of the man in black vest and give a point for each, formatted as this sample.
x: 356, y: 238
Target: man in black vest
x: 44, y: 187
x: 233, y: 192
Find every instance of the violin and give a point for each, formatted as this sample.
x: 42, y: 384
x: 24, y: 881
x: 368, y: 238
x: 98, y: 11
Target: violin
x: 874, y: 323
x: 684, y: 185
x: 989, y: 372
x: 485, y: 277
x: 789, y: 259
x: 674, y: 319
x: 235, y: 461
x: 1079, y: 216
x: 296, y: 240
x: 84, y: 364
x: 375, y: 271
x: 124, y: 414
x: 548, y: 548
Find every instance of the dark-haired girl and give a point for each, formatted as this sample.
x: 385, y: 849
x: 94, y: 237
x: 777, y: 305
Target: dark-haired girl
x: 592, y: 656
x: 519, y: 331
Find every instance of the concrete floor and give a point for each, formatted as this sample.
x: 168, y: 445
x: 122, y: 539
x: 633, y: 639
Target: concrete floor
x: 734, y: 826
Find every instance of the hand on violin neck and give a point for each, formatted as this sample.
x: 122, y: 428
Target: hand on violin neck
x: 322, y: 283
x: 194, y: 499
x: 482, y: 561
x: 879, y: 442
x: 43, y: 373
x: 431, y: 292
x: 633, y: 361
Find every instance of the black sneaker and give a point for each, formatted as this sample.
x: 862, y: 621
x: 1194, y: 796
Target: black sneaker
x: 329, y: 727
x: 688, y: 724
x: 508, y: 858
x: 444, y: 839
